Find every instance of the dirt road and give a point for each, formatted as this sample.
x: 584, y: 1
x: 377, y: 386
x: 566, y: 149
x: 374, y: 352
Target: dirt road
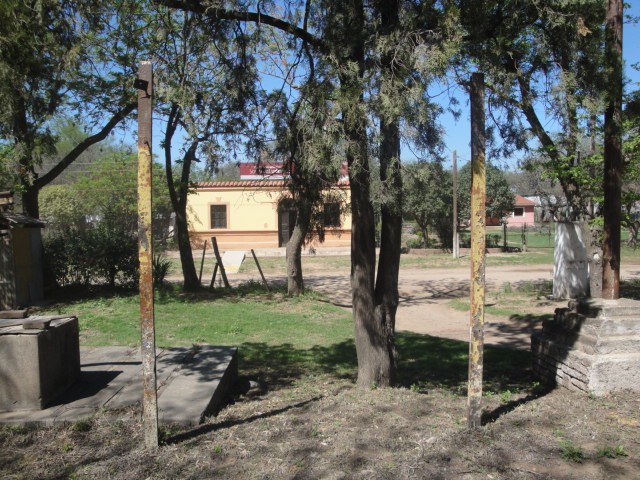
x: 425, y: 294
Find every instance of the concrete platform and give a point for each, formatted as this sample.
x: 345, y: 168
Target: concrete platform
x: 192, y: 382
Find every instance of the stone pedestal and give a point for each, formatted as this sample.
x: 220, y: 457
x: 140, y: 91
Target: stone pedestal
x: 592, y: 346
x: 37, y: 364
x: 570, y: 262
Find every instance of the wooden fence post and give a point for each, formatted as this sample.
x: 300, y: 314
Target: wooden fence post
x: 478, y: 246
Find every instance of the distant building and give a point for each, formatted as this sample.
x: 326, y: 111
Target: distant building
x: 257, y: 212
x: 523, y: 212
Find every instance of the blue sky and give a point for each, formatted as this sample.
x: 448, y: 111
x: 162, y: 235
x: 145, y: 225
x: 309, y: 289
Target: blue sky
x: 457, y: 132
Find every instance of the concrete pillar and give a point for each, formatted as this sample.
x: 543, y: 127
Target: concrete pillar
x: 570, y: 263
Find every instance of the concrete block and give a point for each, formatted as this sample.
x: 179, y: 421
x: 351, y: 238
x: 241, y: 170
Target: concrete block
x: 36, y: 366
x: 593, y: 346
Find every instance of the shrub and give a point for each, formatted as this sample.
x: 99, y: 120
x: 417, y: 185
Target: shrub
x: 97, y: 255
x: 161, y: 266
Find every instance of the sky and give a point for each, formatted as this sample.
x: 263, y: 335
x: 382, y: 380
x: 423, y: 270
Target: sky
x: 457, y: 132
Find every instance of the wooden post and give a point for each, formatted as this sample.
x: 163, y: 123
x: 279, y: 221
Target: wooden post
x: 505, y: 245
x: 478, y: 229
x: 613, y: 165
x: 213, y: 277
x: 214, y: 242
x: 144, y: 84
x: 264, y: 280
x: 204, y: 250
x: 456, y: 244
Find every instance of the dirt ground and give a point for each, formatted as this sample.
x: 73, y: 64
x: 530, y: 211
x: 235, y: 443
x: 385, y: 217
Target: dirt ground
x: 323, y: 427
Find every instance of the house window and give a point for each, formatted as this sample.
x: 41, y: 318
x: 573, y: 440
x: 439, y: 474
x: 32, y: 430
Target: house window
x: 518, y: 212
x: 218, y: 216
x: 331, y: 214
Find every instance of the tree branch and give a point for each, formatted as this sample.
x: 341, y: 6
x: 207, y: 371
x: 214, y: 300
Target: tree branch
x: 217, y: 13
x: 83, y: 146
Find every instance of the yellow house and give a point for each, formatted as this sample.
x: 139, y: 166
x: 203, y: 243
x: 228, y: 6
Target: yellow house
x: 257, y: 213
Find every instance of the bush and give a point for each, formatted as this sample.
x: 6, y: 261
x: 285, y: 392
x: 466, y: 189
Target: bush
x: 97, y: 255
x: 161, y: 266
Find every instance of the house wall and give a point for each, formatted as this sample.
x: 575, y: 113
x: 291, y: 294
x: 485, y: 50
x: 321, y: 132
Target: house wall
x: 528, y: 217
x: 252, y: 218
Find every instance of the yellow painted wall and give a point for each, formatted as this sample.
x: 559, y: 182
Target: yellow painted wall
x: 252, y: 216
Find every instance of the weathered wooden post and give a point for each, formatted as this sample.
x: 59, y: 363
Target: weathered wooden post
x: 144, y: 84
x: 478, y: 228
x: 612, y: 152
x: 455, y: 245
x: 204, y: 251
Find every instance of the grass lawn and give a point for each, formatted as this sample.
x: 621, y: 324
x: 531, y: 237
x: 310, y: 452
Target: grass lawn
x: 309, y: 421
x: 281, y: 337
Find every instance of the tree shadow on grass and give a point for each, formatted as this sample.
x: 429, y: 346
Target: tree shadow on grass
x: 424, y: 362
x: 168, y: 293
x: 432, y: 362
x: 427, y: 361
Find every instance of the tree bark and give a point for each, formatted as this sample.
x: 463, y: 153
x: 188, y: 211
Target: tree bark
x: 613, y: 165
x: 178, y: 198
x: 295, y: 280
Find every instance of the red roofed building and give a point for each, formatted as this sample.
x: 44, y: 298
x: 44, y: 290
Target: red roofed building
x: 523, y: 212
x: 257, y: 212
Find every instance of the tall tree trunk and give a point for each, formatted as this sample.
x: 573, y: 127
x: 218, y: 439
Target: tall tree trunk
x: 30, y: 201
x: 375, y: 304
x: 375, y: 365
x: 295, y: 280
x: 386, y: 292
x: 613, y: 165
x: 189, y: 273
x: 178, y: 198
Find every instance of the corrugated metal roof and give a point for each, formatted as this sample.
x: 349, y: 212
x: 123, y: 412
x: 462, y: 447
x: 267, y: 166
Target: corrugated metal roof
x: 12, y: 220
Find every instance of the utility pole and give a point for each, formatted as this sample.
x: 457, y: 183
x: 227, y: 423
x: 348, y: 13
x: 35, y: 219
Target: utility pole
x: 612, y: 152
x: 478, y: 229
x: 144, y: 84
x: 456, y: 243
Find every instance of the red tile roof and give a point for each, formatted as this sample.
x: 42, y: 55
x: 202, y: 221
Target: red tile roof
x: 251, y: 184
x: 521, y: 201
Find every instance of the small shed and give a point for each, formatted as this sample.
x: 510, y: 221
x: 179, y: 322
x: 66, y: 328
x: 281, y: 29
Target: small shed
x: 21, y: 277
x: 523, y: 212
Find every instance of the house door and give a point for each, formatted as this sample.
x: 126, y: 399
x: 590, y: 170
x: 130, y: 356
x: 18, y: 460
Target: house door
x: 287, y: 217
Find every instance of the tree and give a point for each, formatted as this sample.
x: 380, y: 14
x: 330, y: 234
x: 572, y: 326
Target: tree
x: 500, y: 198
x: 312, y: 167
x: 54, y: 61
x: 542, y: 61
x: 428, y: 198
x: 339, y: 35
x: 205, y: 86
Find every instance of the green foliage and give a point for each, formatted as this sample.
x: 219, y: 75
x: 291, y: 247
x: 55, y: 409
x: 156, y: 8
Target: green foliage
x: 161, y: 267
x: 428, y: 199
x: 62, y: 208
x: 95, y: 255
x: 500, y: 198
x: 38, y: 55
x: 570, y: 452
x: 611, y: 452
